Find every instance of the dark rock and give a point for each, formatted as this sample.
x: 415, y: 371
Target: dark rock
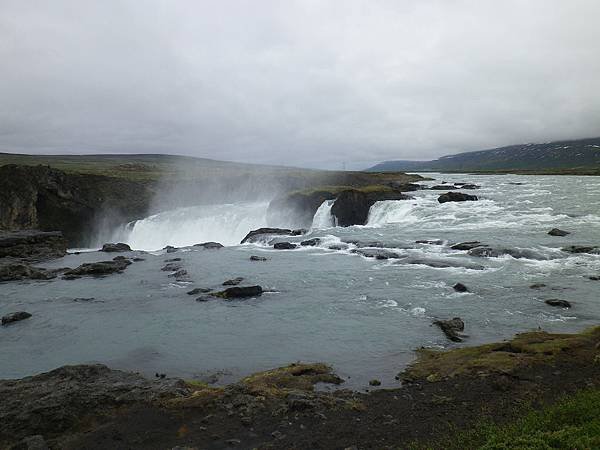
x: 377, y: 253
x: 430, y: 242
x: 363, y: 244
x: 258, y: 258
x: 451, y: 328
x: 459, y: 287
x: 197, y: 291
x: 96, y: 269
x: 204, y: 298
x: 55, y: 402
x: 559, y: 303
x: 122, y: 259
x: 299, y: 401
x: 594, y: 277
x: 374, y: 383
x: 35, y: 442
x: 515, y: 183
x: 456, y: 197
x: 170, y: 249
x: 172, y: 260
x: 43, y: 198
x: 311, y: 242
x: 264, y: 234
x: 210, y: 245
x: 440, y: 263
x: 284, y: 246
x: 338, y: 247
x: 180, y: 275
x: 18, y: 271
x: 537, y: 286
x: 118, y: 247
x: 84, y: 299
x: 138, y: 259
x: 558, y: 232
x: 582, y: 249
x: 352, y: 206
x: 171, y: 267
x: 466, y: 245
x: 442, y: 188
x: 468, y: 186
x: 15, y: 317
x: 405, y: 187
x: 32, y: 245
x: 489, y: 252
x: 240, y: 292
x: 233, y: 281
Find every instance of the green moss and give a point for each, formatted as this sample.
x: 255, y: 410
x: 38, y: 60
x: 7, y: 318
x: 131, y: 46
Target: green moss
x: 296, y: 376
x: 337, y: 189
x: 504, y: 357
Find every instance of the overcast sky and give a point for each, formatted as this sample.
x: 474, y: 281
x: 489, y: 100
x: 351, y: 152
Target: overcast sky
x: 312, y: 83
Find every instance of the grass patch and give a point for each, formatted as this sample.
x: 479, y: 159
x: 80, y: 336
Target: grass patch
x: 523, y: 350
x: 571, y: 423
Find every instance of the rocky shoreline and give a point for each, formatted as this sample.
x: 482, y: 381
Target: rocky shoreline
x: 94, y: 407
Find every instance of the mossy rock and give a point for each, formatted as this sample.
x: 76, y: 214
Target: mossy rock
x: 525, y: 349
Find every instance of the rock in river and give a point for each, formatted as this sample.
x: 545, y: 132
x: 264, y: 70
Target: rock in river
x: 466, y: 245
x: 118, y: 247
x: 456, y: 197
x: 197, y: 291
x: 558, y: 232
x: 459, y: 287
x: 311, y: 242
x: 559, y: 303
x: 15, y: 317
x: 17, y: 271
x: 210, y: 245
x: 451, y: 328
x: 233, y: 281
x: 257, y: 258
x: 264, y: 234
x: 284, y: 246
x: 240, y: 292
x: 582, y: 249
x: 97, y: 269
x: 32, y: 245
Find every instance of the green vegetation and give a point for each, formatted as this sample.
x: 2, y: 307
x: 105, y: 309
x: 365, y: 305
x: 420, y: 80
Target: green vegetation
x: 298, y: 376
x: 523, y: 350
x: 572, y: 423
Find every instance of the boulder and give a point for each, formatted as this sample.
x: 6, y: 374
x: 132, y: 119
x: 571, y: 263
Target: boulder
x: 444, y: 187
x: 459, y: 287
x: 32, y: 245
x: 558, y: 232
x: 430, y: 241
x: 352, y: 206
x: 537, y: 286
x: 377, y: 253
x: 170, y: 249
x: 171, y: 267
x: 466, y: 245
x: 69, y: 397
x: 311, y: 242
x: 97, y: 269
x: 258, y: 258
x: 114, y: 248
x: 168, y: 260
x: 495, y: 252
x: 18, y: 271
x: 210, y: 245
x: 451, y: 328
x: 197, y: 291
x: 15, y: 317
x: 265, y: 234
x: 582, y: 249
x: 444, y: 263
x: 456, y: 197
x: 240, y: 292
x: 468, y: 186
x: 375, y: 383
x: 233, y: 281
x: 558, y: 303
x: 594, y: 277
x: 284, y: 246
x: 180, y: 275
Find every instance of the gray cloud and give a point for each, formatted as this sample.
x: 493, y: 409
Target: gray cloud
x: 312, y: 83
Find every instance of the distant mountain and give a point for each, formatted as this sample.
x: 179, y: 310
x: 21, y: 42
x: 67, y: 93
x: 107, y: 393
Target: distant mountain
x: 559, y: 155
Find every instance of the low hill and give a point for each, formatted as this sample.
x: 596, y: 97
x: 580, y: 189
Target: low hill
x: 573, y: 156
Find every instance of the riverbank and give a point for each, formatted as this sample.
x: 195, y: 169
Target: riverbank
x: 93, y: 407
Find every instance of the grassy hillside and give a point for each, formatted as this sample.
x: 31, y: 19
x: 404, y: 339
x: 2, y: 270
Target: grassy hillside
x: 580, y: 156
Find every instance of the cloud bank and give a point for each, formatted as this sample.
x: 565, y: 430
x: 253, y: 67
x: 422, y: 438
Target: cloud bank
x: 309, y: 83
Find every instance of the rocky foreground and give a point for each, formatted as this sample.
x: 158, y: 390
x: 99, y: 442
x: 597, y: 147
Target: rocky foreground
x: 94, y: 407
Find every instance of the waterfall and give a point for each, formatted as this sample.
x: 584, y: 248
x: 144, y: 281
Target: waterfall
x: 323, y: 217
x: 226, y: 223
x: 391, y: 211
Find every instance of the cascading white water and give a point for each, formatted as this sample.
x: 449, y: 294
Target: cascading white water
x: 323, y: 217
x: 391, y: 211
x: 227, y: 224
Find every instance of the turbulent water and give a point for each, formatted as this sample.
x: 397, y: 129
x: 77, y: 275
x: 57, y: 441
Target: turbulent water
x: 362, y: 315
